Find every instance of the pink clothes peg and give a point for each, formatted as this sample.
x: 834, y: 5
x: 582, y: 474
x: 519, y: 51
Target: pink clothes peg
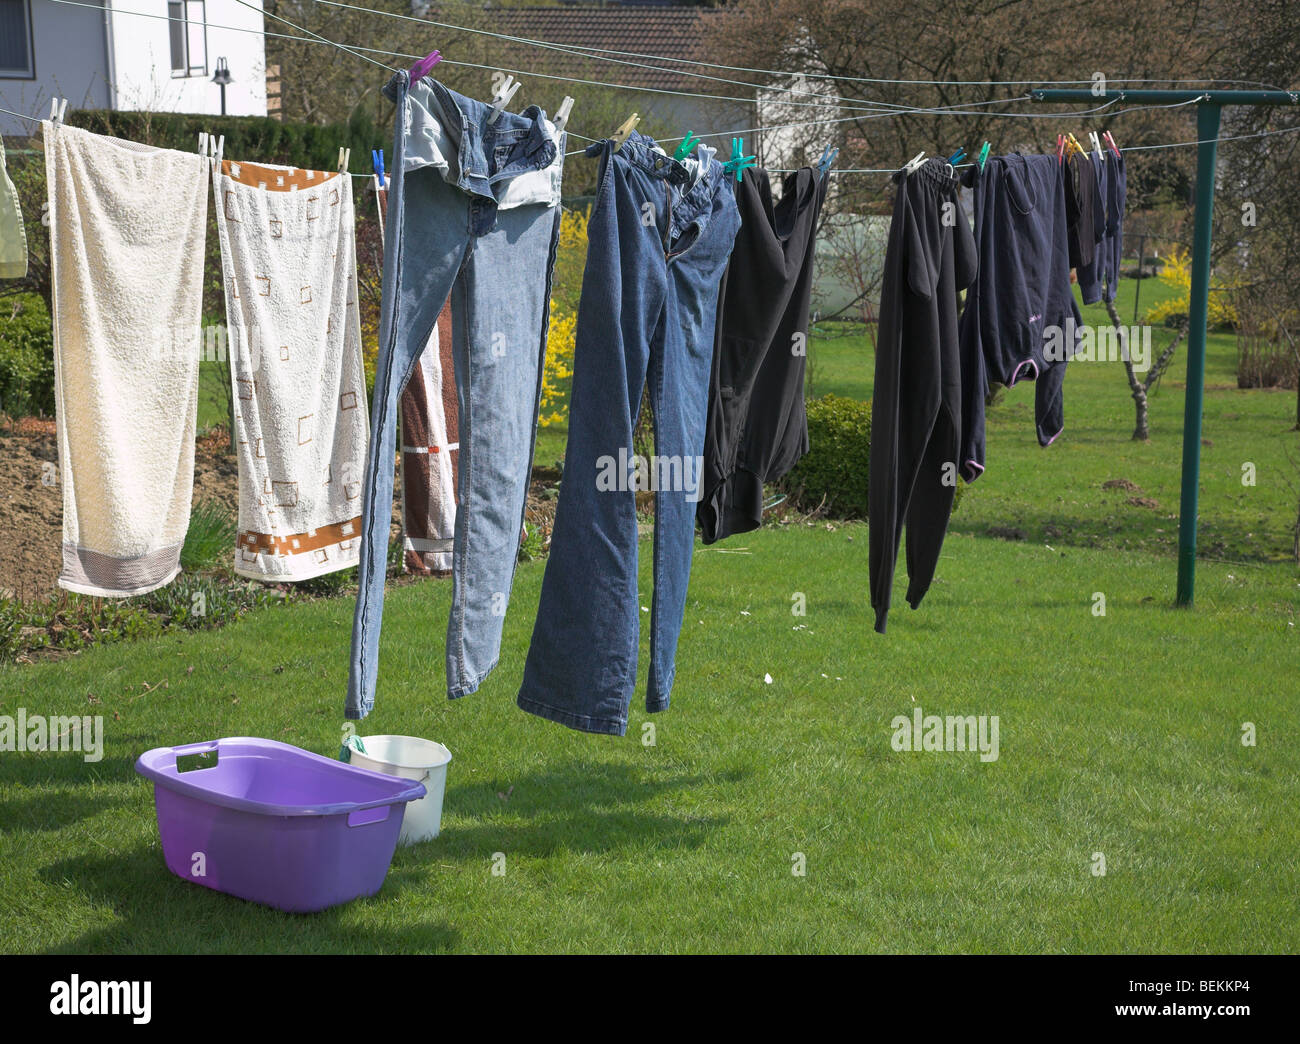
x: 422, y: 67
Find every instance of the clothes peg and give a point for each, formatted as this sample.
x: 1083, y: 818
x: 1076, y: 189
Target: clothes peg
x: 624, y: 132
x: 739, y: 161
x: 506, y: 91
x: 377, y: 159
x: 828, y: 157
x: 688, y: 143
x: 1110, y: 138
x: 218, y: 151
x: 421, y: 68
x: 984, y: 154
x: 345, y: 157
x: 1096, y: 143
x: 562, y: 117
x: 1060, y: 148
x: 914, y: 164
x: 58, y: 106
x: 1075, y: 143
x: 956, y: 157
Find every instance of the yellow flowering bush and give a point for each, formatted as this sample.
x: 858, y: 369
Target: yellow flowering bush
x: 1177, y: 274
x: 560, y: 339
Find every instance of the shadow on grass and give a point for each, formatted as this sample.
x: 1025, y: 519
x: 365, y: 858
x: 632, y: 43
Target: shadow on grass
x: 582, y: 807
x: 49, y: 811
x: 159, y: 913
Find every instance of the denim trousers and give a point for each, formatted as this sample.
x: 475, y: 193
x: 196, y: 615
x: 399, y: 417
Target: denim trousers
x: 659, y: 237
x: 473, y: 212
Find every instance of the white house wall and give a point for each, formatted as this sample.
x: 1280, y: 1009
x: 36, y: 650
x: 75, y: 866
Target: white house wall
x: 71, y: 61
x: 142, y: 65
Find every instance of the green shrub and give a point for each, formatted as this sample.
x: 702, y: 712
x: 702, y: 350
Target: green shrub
x: 26, y: 357
x: 834, y: 472
x: 210, y: 539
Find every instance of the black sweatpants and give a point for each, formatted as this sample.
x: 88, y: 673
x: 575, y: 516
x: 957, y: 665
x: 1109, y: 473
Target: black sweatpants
x: 917, y: 401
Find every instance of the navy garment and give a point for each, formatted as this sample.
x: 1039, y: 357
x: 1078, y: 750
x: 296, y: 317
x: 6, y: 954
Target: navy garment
x: 658, y: 241
x: 1021, y: 317
x: 917, y: 407
x: 757, y: 428
x: 1113, y: 243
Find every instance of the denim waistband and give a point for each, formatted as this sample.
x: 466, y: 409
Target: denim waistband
x: 446, y: 130
x: 698, y: 181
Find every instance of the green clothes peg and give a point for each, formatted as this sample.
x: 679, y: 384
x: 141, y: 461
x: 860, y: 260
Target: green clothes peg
x: 688, y: 143
x: 739, y: 161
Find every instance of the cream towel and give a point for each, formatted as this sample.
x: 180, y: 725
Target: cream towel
x: 13, y: 237
x: 127, y: 225
x: 288, y: 251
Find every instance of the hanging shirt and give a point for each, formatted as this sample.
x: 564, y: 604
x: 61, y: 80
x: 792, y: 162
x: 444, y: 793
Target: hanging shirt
x: 1021, y: 317
x: 13, y: 237
x: 757, y: 429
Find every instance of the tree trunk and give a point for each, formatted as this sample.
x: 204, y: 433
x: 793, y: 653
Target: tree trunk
x: 1141, y: 426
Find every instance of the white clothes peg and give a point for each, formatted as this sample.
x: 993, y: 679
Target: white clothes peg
x: 345, y: 157
x: 503, y: 96
x: 562, y: 117
x: 58, y: 107
x: 914, y: 164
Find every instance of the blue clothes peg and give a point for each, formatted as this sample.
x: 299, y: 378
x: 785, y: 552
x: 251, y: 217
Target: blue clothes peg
x: 828, y: 157
x: 957, y: 157
x: 377, y: 157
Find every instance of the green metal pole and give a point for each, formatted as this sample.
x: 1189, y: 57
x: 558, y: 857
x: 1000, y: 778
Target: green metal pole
x: 1209, y: 106
x: 1207, y: 133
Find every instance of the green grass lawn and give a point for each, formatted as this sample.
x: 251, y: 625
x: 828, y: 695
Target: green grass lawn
x: 1120, y: 737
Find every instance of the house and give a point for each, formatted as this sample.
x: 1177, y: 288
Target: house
x: 159, y: 55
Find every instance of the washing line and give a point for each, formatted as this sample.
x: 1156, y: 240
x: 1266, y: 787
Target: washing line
x: 869, y: 113
x: 882, y: 109
x: 595, y: 52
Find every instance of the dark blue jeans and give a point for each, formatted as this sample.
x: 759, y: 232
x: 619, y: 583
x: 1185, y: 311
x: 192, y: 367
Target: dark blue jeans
x: 658, y: 241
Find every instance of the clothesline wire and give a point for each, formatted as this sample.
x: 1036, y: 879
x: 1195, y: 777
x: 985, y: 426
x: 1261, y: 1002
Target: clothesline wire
x: 822, y: 99
x: 876, y: 108
x: 870, y: 113
x: 357, y: 49
x: 587, y: 50
x: 342, y: 47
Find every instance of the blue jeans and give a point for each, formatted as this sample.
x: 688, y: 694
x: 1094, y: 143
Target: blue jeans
x: 658, y: 241
x: 473, y: 211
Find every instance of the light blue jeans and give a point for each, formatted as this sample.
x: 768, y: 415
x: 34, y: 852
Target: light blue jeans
x: 473, y: 211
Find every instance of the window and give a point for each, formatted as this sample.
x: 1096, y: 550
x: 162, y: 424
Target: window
x: 188, y: 31
x: 16, y: 40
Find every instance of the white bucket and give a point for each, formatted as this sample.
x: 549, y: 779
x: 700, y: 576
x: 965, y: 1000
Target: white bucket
x: 410, y: 758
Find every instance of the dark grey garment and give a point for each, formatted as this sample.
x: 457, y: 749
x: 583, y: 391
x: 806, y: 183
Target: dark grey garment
x: 757, y: 429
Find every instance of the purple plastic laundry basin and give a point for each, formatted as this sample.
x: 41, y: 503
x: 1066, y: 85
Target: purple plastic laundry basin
x: 276, y: 824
